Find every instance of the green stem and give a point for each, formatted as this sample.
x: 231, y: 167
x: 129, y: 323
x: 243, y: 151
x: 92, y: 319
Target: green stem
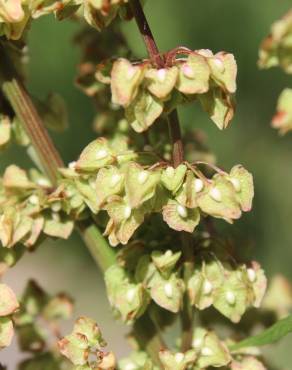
x: 102, y: 253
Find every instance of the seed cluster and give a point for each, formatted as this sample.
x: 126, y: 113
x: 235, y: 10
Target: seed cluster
x: 147, y: 92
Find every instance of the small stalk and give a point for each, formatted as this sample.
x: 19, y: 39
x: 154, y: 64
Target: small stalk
x: 177, y: 159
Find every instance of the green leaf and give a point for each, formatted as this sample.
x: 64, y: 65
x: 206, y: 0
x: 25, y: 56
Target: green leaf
x: 144, y: 110
x: 96, y: 155
x: 219, y: 105
x: 5, y: 130
x: 8, y: 301
x: 125, y: 81
x: 160, y: 82
x: 273, y: 334
x: 194, y: 75
x: 6, y: 331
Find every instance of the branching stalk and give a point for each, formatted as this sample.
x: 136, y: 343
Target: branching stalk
x: 177, y: 159
x: 102, y: 253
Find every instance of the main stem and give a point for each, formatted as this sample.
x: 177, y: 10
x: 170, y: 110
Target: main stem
x: 177, y: 159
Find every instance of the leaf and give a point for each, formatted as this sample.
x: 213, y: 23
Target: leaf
x: 160, y: 82
x: 167, y: 293
x: 58, y: 228
x: 96, y: 155
x: 282, y: 120
x: 223, y: 70
x: 194, y: 75
x: 125, y: 81
x: 109, y: 181
x: 75, y: 348
x: 6, y: 331
x: 5, y: 130
x: 272, y: 335
x: 172, y: 178
x: 219, y: 105
x: 140, y: 184
x: 8, y: 301
x: 180, y: 218
x: 88, y: 327
x: 211, y: 351
x: 242, y: 181
x: 143, y: 112
x: 218, y: 199
x: 15, y: 177
x: 177, y: 361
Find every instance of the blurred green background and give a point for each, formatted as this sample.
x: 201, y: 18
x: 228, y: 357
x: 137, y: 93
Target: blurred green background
x: 234, y: 26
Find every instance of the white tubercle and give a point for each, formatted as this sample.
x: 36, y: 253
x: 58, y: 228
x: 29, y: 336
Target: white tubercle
x: 56, y: 216
x: 169, y: 171
x: 131, y: 295
x: 131, y: 72
x: 182, y: 211
x: 168, y: 290
x: 143, y: 177
x: 69, y: 193
x: 130, y: 366
x: 219, y: 64
x: 215, y: 194
x: 168, y: 253
x: 206, y: 351
x: 72, y: 165
x: 101, y: 154
x: 197, y: 343
x: 188, y: 71
x: 199, y: 185
x: 34, y: 200
x: 115, y: 180
x: 207, y: 287
x: 56, y: 207
x: 236, y: 183
x: 251, y: 274
x: 161, y: 74
x: 43, y: 182
x: 127, y: 212
x: 230, y: 297
x: 179, y: 357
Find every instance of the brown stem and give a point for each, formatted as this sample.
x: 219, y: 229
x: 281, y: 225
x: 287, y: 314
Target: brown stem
x: 21, y: 103
x: 175, y: 135
x: 177, y: 158
x: 146, y: 33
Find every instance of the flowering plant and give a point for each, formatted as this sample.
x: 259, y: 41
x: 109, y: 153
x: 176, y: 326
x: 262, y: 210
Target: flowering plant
x: 144, y: 196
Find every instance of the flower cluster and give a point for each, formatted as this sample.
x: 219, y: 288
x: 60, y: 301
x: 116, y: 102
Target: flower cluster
x: 8, y: 305
x: 84, y: 343
x: 275, y: 50
x: 146, y: 92
x: 37, y: 305
x: 84, y: 348
x: 28, y: 208
x: 15, y: 15
x: 142, y: 275
x: 230, y: 290
x: 118, y: 181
